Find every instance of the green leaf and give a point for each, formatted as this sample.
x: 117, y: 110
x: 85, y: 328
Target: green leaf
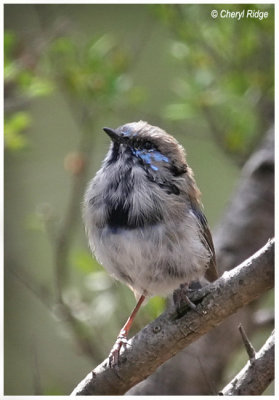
x: 39, y: 87
x: 10, y: 70
x: 13, y: 127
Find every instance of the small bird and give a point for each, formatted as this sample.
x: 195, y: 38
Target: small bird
x: 142, y: 214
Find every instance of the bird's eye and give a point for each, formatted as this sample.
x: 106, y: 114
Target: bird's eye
x: 135, y: 144
x: 148, y: 145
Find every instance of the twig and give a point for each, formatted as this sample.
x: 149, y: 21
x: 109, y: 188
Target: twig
x: 248, y: 345
x: 255, y: 377
x: 151, y: 347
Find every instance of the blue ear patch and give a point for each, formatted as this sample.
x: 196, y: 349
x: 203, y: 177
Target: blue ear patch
x: 149, y: 156
x: 157, y: 156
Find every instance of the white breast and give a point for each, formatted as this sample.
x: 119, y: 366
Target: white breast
x: 152, y: 260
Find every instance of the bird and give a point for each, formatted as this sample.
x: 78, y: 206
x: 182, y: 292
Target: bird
x: 144, y: 220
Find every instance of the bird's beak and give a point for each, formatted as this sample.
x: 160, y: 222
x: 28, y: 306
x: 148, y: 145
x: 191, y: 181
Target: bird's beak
x: 113, y: 135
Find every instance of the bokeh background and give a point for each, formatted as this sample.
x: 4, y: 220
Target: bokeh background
x: 69, y: 71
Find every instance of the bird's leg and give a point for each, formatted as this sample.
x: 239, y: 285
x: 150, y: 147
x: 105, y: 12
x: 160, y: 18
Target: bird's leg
x: 180, y: 296
x: 122, y: 337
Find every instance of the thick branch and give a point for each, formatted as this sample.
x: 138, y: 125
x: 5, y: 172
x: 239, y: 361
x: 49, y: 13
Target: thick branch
x: 257, y: 374
x: 168, y: 334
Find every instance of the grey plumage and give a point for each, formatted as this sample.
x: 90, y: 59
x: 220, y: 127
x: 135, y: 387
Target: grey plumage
x: 142, y: 213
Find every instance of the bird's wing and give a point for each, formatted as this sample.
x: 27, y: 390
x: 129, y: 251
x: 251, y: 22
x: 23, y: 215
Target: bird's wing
x: 211, y: 272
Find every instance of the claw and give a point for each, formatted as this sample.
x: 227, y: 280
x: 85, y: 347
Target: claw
x: 121, y: 341
x: 180, y: 297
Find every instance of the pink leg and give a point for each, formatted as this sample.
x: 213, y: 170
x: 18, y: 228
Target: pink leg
x: 122, y: 337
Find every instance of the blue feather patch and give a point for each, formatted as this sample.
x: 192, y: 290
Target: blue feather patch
x: 148, y: 157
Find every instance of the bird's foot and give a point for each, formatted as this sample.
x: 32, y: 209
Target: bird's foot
x: 121, y: 341
x: 180, y: 297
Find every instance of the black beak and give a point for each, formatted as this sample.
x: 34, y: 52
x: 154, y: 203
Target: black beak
x: 112, y: 134
x: 116, y: 137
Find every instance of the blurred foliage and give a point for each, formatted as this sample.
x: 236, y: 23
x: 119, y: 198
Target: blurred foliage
x: 94, y: 72
x: 14, y: 125
x: 22, y: 83
x: 82, y: 68
x: 227, y: 72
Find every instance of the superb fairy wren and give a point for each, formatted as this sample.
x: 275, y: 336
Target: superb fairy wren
x: 143, y: 217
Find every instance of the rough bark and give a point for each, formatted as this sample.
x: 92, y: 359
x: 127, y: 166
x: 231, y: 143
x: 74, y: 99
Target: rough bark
x: 247, y: 224
x: 169, y: 333
x: 257, y: 374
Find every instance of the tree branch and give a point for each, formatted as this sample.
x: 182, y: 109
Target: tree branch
x: 248, y: 345
x: 168, y: 334
x: 257, y: 374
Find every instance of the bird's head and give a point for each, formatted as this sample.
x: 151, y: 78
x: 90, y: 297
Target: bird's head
x: 150, y: 146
